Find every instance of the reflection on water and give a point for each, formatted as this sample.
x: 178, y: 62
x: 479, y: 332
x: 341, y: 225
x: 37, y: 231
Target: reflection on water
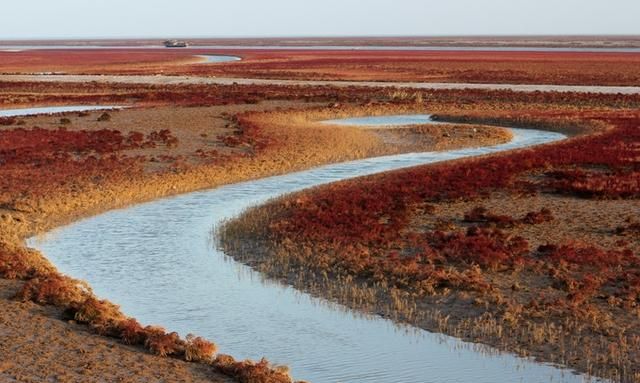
x: 156, y: 260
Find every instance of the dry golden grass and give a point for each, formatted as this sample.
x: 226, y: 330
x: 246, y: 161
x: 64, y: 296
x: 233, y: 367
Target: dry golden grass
x: 308, y: 138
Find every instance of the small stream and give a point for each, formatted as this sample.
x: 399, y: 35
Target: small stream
x: 158, y: 262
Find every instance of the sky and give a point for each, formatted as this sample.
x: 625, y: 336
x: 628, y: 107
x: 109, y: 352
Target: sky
x: 26, y: 19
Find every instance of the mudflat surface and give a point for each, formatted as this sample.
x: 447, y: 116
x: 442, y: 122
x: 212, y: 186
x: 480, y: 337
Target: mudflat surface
x: 575, y: 219
x: 136, y: 79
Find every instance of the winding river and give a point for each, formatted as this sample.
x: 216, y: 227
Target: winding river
x: 157, y: 260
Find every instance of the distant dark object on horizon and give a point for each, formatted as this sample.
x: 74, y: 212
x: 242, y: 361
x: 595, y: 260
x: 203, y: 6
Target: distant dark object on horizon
x: 175, y: 44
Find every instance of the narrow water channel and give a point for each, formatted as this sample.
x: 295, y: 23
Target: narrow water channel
x: 52, y: 109
x: 157, y: 261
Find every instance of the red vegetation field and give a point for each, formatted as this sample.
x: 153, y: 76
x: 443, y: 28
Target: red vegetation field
x: 576, y: 68
x: 614, y: 152
x: 439, y: 66
x: 361, y: 204
x: 80, y: 155
x: 36, y: 61
x: 26, y: 94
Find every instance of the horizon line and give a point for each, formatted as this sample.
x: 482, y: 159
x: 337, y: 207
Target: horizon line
x: 275, y: 37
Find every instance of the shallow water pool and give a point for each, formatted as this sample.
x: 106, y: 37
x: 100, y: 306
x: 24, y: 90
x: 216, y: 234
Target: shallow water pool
x: 211, y: 59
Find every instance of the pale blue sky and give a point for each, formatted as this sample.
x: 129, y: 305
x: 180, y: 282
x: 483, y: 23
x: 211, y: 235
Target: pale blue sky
x: 237, y: 18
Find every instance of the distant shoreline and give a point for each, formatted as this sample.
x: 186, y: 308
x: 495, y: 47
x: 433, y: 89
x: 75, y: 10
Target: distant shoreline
x: 593, y: 42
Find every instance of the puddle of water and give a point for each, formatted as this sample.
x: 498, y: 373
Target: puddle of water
x: 211, y: 59
x: 52, y: 109
x: 156, y: 260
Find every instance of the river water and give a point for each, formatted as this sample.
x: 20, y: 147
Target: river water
x: 157, y: 260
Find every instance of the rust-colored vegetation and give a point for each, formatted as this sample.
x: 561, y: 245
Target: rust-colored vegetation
x: 252, y: 372
x: 569, y: 68
x: 18, y: 94
x: 74, y: 60
x: 436, y: 66
x: 106, y: 319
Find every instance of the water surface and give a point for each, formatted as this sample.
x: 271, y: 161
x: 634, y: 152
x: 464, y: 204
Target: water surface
x: 395, y: 120
x: 52, y: 109
x: 157, y: 261
x: 212, y: 59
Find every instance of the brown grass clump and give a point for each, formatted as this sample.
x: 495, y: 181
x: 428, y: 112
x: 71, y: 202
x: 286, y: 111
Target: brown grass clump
x: 162, y: 343
x: 131, y: 332
x: 103, y: 316
x: 198, y: 349
x: 252, y: 372
x: 22, y: 263
x: 55, y: 289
